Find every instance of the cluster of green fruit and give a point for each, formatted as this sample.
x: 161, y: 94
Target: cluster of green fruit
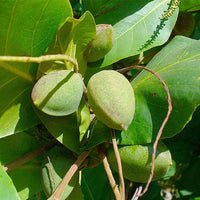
x: 111, y: 97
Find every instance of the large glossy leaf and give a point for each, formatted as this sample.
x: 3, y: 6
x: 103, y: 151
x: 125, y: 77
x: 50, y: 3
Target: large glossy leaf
x: 64, y: 129
x: 189, y: 6
x: 7, y: 189
x: 135, y: 23
x: 26, y: 28
x: 95, y: 184
x: 179, y: 65
x: 24, y: 175
x: 75, y: 37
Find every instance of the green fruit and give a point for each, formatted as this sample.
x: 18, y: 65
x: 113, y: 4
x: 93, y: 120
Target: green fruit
x: 52, y: 174
x: 58, y: 93
x: 185, y: 24
x: 136, y: 161
x: 111, y: 97
x: 103, y: 42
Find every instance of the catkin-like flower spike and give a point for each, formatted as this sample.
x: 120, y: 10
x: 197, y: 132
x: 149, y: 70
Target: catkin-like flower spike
x: 174, y: 5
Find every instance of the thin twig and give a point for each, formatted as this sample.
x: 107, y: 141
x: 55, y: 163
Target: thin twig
x: 29, y: 156
x: 40, y: 59
x: 163, y: 124
x: 72, y: 170
x: 119, y: 164
x: 111, y: 179
x: 109, y: 9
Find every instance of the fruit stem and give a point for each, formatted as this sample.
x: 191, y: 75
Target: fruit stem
x: 163, y: 124
x: 40, y: 59
x: 72, y: 170
x: 29, y: 156
x: 111, y: 179
x: 119, y: 163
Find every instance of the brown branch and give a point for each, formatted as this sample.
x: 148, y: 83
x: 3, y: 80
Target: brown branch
x: 163, y: 124
x: 111, y: 179
x: 109, y: 9
x: 70, y: 173
x: 29, y: 156
x: 119, y: 163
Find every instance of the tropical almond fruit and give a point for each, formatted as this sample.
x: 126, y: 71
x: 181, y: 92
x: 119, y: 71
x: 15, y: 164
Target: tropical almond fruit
x: 54, y: 171
x: 58, y: 93
x: 111, y: 97
x: 136, y: 161
x: 103, y: 42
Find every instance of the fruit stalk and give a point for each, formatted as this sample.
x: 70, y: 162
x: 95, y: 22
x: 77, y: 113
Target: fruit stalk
x: 119, y: 163
x: 109, y: 174
x: 72, y: 170
x: 40, y: 59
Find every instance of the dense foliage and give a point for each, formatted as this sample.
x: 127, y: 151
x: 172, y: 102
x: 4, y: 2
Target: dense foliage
x: 57, y: 107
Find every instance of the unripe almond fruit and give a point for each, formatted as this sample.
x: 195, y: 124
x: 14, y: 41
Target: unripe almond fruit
x: 136, y: 161
x: 103, y: 42
x: 58, y: 93
x: 111, y: 97
x: 54, y: 171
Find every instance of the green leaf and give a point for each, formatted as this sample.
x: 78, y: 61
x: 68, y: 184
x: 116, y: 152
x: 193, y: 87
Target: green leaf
x: 26, y: 28
x: 135, y: 23
x: 75, y: 37
x: 76, y: 193
x: 7, y: 189
x: 95, y: 184
x: 99, y: 133
x: 23, y: 176
x: 189, y: 6
x: 179, y: 66
x: 64, y: 129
